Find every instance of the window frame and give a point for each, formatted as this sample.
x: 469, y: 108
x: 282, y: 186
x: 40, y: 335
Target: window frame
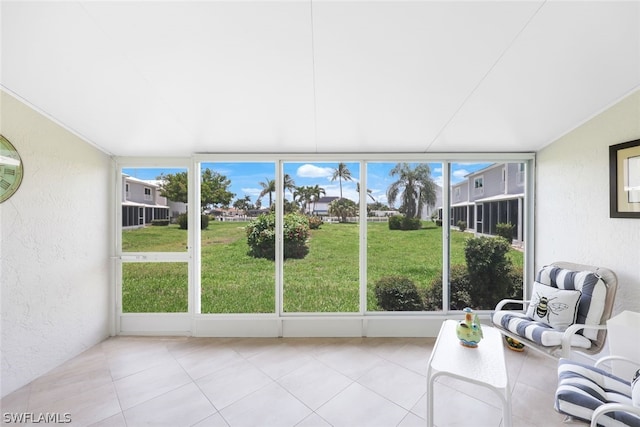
x: 362, y: 323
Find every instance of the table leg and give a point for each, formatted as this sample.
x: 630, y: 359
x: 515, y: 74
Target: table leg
x: 430, y: 381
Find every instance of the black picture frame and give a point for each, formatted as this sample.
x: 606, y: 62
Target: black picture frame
x: 624, y: 180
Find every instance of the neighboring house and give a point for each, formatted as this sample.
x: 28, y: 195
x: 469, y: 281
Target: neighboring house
x: 427, y: 210
x: 490, y: 196
x: 321, y: 206
x: 142, y: 202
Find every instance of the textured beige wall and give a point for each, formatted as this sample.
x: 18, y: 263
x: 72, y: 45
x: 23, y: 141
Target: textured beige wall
x: 572, y: 201
x: 55, y: 255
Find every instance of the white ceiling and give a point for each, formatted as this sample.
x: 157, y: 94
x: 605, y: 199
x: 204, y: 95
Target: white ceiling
x: 172, y: 78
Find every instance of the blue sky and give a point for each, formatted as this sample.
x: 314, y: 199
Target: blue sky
x: 245, y: 177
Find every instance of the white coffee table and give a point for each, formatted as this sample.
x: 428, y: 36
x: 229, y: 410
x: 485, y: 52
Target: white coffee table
x: 484, y: 365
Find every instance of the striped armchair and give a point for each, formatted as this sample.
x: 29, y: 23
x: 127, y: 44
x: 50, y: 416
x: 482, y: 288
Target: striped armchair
x: 591, y: 394
x: 569, y: 306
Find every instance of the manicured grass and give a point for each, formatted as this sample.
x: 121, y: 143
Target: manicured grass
x: 149, y: 287
x: 326, y: 280
x: 155, y: 239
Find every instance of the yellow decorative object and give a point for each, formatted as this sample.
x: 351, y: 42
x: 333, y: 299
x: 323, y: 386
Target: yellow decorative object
x: 469, y: 331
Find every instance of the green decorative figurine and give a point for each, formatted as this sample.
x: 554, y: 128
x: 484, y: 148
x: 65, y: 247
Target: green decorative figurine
x: 469, y: 330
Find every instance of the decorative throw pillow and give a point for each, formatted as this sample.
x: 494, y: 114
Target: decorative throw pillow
x: 593, y: 290
x: 635, y: 389
x: 554, y: 307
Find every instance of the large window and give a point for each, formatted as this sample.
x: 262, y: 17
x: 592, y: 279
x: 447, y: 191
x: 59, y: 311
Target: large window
x: 293, y: 237
x: 404, y: 244
x: 233, y: 278
x: 486, y: 254
x: 153, y: 244
x: 324, y: 275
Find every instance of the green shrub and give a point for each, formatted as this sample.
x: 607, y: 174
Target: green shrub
x: 401, y: 222
x: 397, y: 293
x: 462, y: 225
x: 160, y: 222
x: 489, y: 267
x: 505, y: 230
x: 395, y: 222
x: 460, y: 290
x: 488, y: 277
x: 183, y: 221
x: 411, y: 223
x: 261, y: 236
x: 315, y: 222
x: 439, y: 222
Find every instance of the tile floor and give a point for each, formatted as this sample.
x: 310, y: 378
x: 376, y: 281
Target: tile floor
x: 144, y: 381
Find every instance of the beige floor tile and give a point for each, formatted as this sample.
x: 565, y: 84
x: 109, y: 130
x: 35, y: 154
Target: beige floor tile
x: 313, y: 420
x: 191, y: 344
x: 85, y: 408
x: 523, y: 405
x: 414, y: 355
x: 314, y: 383
x: 248, y: 347
x: 142, y: 386
x: 351, y: 361
x: 233, y: 383
x: 398, y: 384
x: 420, y: 408
x: 279, y: 360
x: 540, y: 374
x: 270, y: 406
x: 116, y: 420
x: 183, y: 406
x: 208, y: 359
x: 138, y: 358
x: 453, y: 408
x: 184, y: 381
x: 358, y: 406
x: 16, y: 402
x: 412, y: 420
x: 214, y: 420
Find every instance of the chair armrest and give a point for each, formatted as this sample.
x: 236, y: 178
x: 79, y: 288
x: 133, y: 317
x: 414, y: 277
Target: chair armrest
x: 571, y: 331
x: 504, y: 302
x: 613, y: 357
x: 610, y: 407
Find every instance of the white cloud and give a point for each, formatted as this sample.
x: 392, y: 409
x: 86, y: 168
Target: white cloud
x: 250, y: 192
x: 460, y: 173
x: 312, y: 171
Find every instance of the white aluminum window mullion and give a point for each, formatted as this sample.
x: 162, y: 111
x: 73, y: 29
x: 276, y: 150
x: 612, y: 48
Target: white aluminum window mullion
x: 194, y: 238
x: 529, y: 227
x: 363, y: 240
x: 446, y: 232
x: 279, y: 262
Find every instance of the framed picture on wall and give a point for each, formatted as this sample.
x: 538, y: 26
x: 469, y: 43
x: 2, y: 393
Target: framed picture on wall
x: 624, y: 180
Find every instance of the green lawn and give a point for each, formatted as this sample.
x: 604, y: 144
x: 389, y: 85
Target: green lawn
x: 326, y: 280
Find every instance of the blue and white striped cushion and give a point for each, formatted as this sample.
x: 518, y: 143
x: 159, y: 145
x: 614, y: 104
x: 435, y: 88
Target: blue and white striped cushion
x: 583, y: 388
x: 593, y: 290
x: 539, y: 332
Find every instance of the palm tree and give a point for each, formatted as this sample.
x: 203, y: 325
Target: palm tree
x: 368, y: 191
x: 343, y: 208
x: 415, y: 187
x: 303, y: 195
x: 316, y: 192
x: 243, y: 204
x: 288, y: 183
x: 340, y: 173
x: 268, y: 187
